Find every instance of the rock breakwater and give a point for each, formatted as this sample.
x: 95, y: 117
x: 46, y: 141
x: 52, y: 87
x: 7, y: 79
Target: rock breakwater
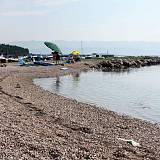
x: 126, y: 62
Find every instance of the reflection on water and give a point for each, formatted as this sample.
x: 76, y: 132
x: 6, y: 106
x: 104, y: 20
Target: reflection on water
x: 57, y: 83
x: 76, y: 79
x: 134, y: 92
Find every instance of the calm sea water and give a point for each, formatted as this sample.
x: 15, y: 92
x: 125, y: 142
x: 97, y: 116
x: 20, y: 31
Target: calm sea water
x: 135, y: 92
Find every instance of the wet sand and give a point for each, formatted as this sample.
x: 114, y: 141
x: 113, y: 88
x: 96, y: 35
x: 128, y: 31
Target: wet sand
x: 36, y: 124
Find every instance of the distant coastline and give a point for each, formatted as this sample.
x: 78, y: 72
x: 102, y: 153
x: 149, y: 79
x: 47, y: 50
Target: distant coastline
x: 89, y: 47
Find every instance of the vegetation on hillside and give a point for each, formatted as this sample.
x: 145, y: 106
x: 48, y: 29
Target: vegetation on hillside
x: 13, y: 51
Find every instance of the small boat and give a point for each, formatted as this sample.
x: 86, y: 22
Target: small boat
x: 3, y: 59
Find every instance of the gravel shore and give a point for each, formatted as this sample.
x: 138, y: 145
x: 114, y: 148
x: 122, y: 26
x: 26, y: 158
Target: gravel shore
x: 39, y: 125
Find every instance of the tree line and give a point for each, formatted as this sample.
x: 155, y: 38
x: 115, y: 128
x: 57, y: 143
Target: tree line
x: 13, y: 51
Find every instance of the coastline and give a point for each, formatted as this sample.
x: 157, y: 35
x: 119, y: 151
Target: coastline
x: 37, y: 124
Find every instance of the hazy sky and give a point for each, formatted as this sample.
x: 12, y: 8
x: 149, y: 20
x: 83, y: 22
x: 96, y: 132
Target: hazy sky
x: 105, y: 20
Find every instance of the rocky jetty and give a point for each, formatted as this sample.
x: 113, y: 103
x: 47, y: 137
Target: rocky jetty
x: 125, y: 63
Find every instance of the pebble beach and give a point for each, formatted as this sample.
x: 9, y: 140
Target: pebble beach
x: 38, y: 125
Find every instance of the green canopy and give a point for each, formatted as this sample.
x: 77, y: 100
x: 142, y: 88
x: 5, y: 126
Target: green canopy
x: 53, y: 47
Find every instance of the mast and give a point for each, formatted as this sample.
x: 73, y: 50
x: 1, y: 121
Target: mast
x: 81, y: 47
x: 107, y: 52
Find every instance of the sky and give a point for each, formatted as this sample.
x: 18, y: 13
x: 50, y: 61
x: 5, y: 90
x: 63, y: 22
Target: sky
x: 87, y: 20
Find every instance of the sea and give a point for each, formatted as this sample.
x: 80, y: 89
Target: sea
x: 135, y: 92
x: 89, y: 47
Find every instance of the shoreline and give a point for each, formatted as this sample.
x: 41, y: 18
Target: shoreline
x: 96, y: 105
x: 43, y: 125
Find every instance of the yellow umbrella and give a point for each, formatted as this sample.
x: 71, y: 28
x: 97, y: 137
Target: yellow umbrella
x: 76, y: 53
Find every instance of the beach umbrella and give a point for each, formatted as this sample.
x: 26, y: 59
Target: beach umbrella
x: 75, y: 53
x: 53, y: 47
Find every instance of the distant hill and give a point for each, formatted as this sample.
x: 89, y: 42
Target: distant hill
x: 38, y: 47
x: 89, y: 47
x: 13, y: 51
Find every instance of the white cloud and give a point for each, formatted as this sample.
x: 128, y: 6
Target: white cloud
x: 53, y: 2
x: 29, y: 7
x: 22, y: 13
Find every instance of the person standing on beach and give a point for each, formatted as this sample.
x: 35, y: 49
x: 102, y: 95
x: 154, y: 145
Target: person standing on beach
x: 56, y: 57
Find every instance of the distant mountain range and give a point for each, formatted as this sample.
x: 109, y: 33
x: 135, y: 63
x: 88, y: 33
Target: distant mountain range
x: 89, y: 47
